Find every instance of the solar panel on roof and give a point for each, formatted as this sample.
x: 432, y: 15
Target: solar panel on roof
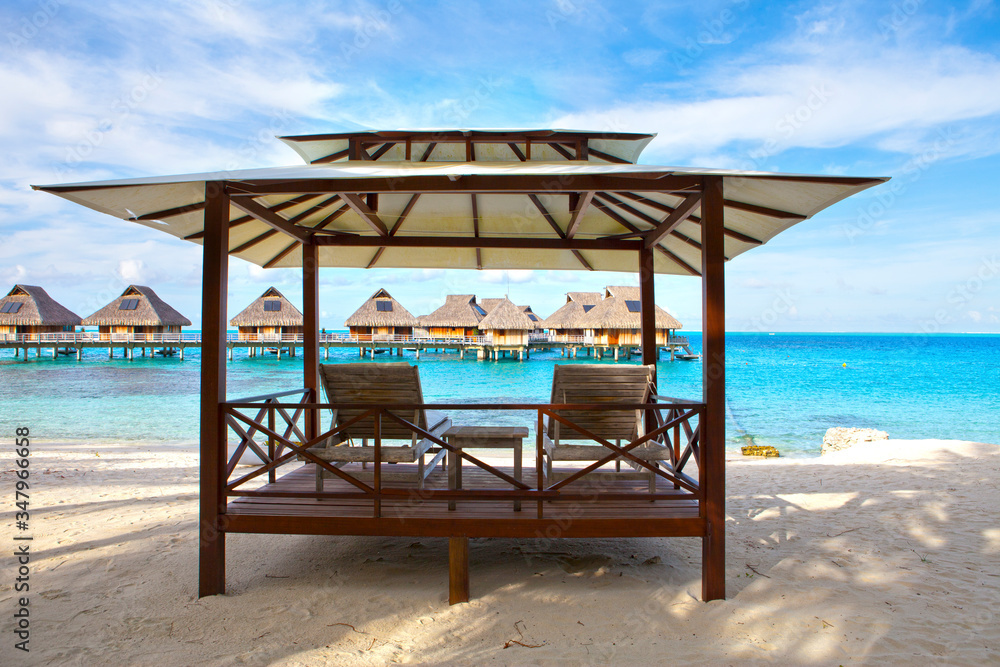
x: 383, y: 306
x: 128, y: 304
x: 587, y: 308
x: 633, y: 306
x: 272, y: 306
x: 11, y: 307
x: 479, y: 309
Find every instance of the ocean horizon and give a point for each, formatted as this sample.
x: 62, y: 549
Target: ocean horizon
x: 783, y: 389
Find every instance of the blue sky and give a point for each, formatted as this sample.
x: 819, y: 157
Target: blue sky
x: 907, y: 89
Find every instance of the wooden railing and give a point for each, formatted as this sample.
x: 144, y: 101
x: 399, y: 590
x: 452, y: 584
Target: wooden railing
x: 674, y: 426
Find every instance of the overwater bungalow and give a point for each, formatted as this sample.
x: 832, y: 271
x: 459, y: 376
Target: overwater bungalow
x: 139, y: 315
x: 268, y: 318
x: 615, y: 321
x: 459, y: 316
x: 381, y: 317
x: 563, y: 323
x: 535, y: 319
x: 506, y: 324
x: 28, y: 310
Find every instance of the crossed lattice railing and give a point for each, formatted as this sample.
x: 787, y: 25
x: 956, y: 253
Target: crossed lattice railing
x: 670, y: 424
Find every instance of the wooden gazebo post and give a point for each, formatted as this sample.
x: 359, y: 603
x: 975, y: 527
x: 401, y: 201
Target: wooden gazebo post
x: 712, y: 472
x: 310, y: 337
x: 215, y: 282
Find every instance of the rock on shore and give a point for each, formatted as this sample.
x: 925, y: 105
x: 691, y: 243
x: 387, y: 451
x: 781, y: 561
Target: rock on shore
x: 842, y: 438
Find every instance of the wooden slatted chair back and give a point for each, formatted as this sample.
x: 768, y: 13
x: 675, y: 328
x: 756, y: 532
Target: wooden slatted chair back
x: 600, y: 383
x: 378, y: 383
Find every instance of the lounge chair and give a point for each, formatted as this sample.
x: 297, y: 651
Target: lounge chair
x: 384, y: 384
x: 600, y: 383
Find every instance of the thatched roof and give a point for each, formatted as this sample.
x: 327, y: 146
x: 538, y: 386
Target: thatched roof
x: 535, y: 319
x: 264, y: 313
x: 620, y: 310
x: 576, y: 306
x: 381, y: 310
x: 505, y: 315
x: 489, y: 304
x: 37, y: 309
x: 459, y: 310
x: 148, y: 310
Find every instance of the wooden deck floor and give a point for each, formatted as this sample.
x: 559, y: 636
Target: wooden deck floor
x: 414, y: 514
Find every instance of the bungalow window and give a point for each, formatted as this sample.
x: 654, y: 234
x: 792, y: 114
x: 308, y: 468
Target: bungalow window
x: 633, y: 306
x: 479, y: 309
x: 11, y: 307
x: 587, y: 308
x: 128, y: 304
x: 272, y: 306
x: 383, y: 306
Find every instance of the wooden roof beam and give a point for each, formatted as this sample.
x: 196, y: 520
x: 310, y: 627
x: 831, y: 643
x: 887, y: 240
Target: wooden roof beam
x: 674, y: 220
x: 479, y: 183
x: 646, y: 218
x: 392, y: 232
x: 359, y: 206
x: 548, y: 217
x: 269, y: 217
x: 579, y: 202
x: 620, y: 219
x: 475, y: 229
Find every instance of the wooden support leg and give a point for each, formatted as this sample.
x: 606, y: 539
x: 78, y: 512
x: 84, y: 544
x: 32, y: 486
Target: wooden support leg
x: 517, y: 471
x: 319, y: 479
x: 458, y: 569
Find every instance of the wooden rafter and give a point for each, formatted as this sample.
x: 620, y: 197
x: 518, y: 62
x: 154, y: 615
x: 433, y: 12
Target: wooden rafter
x: 269, y: 217
x: 548, y: 217
x: 562, y: 151
x: 392, y: 232
x: 674, y: 220
x: 359, y: 206
x: 608, y: 157
x: 614, y: 201
x: 517, y: 152
x: 763, y: 210
x: 621, y: 220
x: 301, y: 199
x: 732, y: 233
x: 475, y: 229
x: 322, y: 223
x: 386, y: 147
x: 171, y: 212
x: 406, y: 209
x: 578, y: 206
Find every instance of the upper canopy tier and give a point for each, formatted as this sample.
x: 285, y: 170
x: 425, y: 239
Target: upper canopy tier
x: 441, y: 145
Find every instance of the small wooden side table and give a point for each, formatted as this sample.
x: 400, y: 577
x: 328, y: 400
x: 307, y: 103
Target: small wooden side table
x: 482, y: 437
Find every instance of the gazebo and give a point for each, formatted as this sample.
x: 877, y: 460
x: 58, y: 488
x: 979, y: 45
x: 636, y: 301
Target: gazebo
x: 270, y: 318
x: 381, y: 317
x: 465, y: 199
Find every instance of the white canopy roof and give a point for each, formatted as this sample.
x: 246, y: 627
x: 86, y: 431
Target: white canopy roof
x: 367, y: 204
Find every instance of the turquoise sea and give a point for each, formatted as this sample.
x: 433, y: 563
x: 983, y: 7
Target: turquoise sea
x: 783, y: 389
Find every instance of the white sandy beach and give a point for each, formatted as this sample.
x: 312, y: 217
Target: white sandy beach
x: 887, y: 553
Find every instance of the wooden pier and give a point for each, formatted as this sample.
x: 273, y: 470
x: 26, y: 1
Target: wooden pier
x: 129, y: 346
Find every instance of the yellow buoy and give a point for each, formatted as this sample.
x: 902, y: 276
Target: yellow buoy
x: 845, y: 364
